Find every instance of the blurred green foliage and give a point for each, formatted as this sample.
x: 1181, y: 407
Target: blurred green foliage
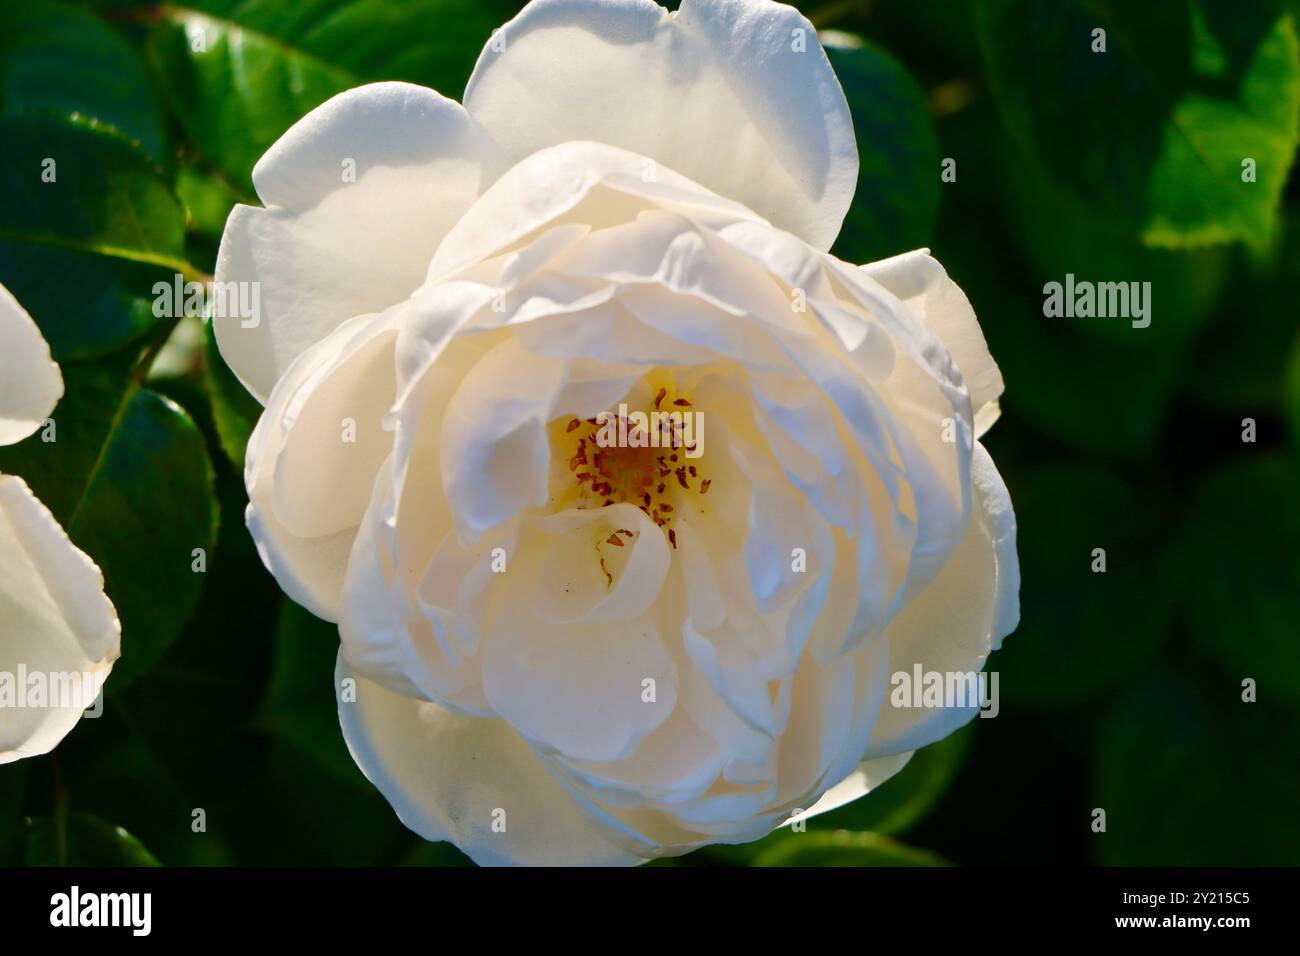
x: 1122, y: 690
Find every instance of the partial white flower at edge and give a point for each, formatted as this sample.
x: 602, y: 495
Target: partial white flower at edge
x: 55, y: 619
x: 553, y: 658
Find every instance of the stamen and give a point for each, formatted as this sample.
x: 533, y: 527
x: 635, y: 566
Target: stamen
x: 636, y: 473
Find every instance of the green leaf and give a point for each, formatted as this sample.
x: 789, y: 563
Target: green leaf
x: 1082, y: 632
x: 207, y: 201
x: 301, y: 707
x: 897, y: 195
x: 128, y: 477
x: 292, y: 811
x: 113, y: 773
x: 308, y: 782
x: 240, y: 92
x: 56, y: 59
x: 85, y: 304
x: 432, y: 42
x: 1185, y: 285
x: 1190, y: 775
x: 1241, y: 366
x: 1154, y: 131
x: 906, y: 798
x: 1084, y: 391
x: 76, y: 187
x: 138, y: 764
x: 87, y: 227
x: 238, y: 73
x: 84, y: 841
x: 148, y: 506
x: 1059, y: 379
x: 59, y: 469
x: 1240, y: 571
x: 234, y: 410
x: 841, y: 848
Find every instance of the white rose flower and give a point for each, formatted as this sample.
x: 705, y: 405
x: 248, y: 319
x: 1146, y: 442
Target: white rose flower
x: 558, y: 652
x: 59, y: 633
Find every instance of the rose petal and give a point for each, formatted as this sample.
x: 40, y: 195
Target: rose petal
x: 921, y: 282
x: 593, y: 184
x: 30, y: 381
x: 54, y: 620
x: 571, y: 676
x: 953, y: 625
x: 736, y: 94
x: 451, y: 777
x: 867, y: 777
x: 308, y: 552
x: 390, y: 638
x: 326, y: 249
x: 495, y: 448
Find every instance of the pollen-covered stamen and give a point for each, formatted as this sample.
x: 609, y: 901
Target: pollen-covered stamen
x: 646, y: 458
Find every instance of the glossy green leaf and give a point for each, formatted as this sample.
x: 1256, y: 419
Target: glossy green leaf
x: 841, y: 848
x: 75, y: 187
x: 238, y: 73
x: 128, y: 477
x: 236, y: 95
x: 433, y: 42
x: 1154, y: 130
x: 148, y: 515
x: 60, y: 60
x: 85, y: 303
x: 1063, y: 380
x: 83, y: 840
x: 207, y: 201
x: 178, y: 739
x: 234, y: 410
x: 897, y: 194
x: 87, y: 228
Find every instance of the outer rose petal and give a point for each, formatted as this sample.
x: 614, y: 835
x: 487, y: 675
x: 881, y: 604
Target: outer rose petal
x: 869, y: 775
x: 446, y: 774
x: 30, y: 382
x: 326, y: 249
x: 735, y: 94
x: 959, y: 618
x: 298, y: 439
x: 54, y: 618
x: 919, y: 280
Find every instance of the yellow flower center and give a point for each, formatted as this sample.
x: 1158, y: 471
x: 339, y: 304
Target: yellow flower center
x: 649, y: 457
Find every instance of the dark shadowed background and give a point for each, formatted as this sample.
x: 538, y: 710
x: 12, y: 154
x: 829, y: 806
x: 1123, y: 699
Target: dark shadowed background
x: 1173, y: 447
